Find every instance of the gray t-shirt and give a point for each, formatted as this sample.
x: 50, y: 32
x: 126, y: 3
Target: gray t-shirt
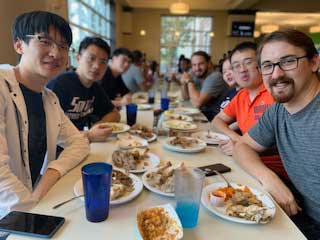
x: 214, y: 86
x: 133, y: 78
x: 298, y: 141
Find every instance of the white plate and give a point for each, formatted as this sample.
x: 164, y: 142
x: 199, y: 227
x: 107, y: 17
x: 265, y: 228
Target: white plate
x: 175, y: 116
x: 138, y: 187
x: 144, y: 106
x: 187, y: 111
x: 214, y: 137
x: 201, y: 145
x: 221, y: 211
x: 153, y: 162
x: 122, y: 127
x: 171, y: 213
x: 131, y: 142
x: 151, y: 188
x: 179, y: 125
x: 140, y: 97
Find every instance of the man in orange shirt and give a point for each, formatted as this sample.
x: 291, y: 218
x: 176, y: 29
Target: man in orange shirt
x: 249, y: 104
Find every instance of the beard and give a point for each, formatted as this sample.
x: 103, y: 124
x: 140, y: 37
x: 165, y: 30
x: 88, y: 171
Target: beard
x: 286, y: 91
x: 202, y: 74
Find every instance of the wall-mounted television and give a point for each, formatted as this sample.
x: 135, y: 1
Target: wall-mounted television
x: 242, y: 29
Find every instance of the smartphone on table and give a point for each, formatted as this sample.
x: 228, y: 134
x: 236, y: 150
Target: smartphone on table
x: 31, y: 224
x: 209, y: 169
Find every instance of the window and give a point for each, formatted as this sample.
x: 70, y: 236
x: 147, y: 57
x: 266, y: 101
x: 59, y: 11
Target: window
x: 91, y: 18
x: 183, y: 35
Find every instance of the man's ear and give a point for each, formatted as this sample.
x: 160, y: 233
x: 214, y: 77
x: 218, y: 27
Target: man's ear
x: 316, y: 62
x: 18, y: 46
x: 78, y: 58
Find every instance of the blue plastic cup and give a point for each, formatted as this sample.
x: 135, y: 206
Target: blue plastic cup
x: 96, y: 179
x: 165, y: 103
x: 188, y: 187
x: 131, y: 114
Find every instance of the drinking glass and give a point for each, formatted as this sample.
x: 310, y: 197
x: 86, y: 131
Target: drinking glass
x: 188, y: 187
x: 131, y: 114
x: 96, y: 179
x: 165, y: 103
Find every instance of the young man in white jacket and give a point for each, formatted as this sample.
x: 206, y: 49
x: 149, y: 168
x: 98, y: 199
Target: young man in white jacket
x: 32, y: 122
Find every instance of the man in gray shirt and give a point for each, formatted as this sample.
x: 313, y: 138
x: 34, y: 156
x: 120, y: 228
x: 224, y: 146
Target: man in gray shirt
x: 289, y: 63
x: 204, y: 87
x: 136, y: 78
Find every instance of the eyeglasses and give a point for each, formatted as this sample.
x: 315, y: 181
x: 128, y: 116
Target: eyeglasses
x: 47, y: 42
x: 246, y: 63
x: 285, y: 64
x: 91, y: 58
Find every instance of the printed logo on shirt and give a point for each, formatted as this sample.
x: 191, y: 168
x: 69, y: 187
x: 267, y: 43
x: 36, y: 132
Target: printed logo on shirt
x: 225, y: 103
x: 81, y: 108
x: 259, y: 110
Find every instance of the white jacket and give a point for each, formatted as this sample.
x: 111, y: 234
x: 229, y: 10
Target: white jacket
x: 15, y: 176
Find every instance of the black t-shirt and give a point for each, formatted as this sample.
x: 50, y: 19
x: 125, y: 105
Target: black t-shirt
x: 84, y: 106
x: 37, y: 137
x: 113, y: 86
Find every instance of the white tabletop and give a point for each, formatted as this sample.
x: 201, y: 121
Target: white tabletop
x: 121, y: 223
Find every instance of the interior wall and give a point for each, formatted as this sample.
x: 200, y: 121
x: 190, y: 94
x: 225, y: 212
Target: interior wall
x: 288, y: 6
x: 10, y: 9
x: 149, y: 20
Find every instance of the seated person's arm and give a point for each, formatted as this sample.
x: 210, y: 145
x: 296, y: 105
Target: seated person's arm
x: 185, y: 77
x: 122, y: 101
x: 141, y: 78
x: 113, y: 116
x: 246, y: 154
x: 49, y: 178
x: 198, y: 99
x: 221, y: 124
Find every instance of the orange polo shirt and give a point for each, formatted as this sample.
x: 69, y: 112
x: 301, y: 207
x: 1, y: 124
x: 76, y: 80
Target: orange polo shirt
x: 247, y: 113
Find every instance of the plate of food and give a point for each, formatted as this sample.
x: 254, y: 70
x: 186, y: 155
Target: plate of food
x: 144, y: 107
x: 170, y: 115
x: 184, y: 144
x: 187, y: 111
x: 238, y: 203
x: 179, y: 125
x: 128, y: 141
x: 140, y: 98
x: 117, y: 127
x: 211, y: 137
x: 124, y: 187
x: 143, y: 132
x: 137, y: 160
x: 159, y: 222
x: 160, y: 180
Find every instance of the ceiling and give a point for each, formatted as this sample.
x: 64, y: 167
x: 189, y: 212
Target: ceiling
x: 195, y: 4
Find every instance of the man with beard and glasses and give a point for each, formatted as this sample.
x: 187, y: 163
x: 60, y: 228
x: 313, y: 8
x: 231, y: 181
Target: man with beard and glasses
x: 32, y: 122
x: 204, y: 87
x: 289, y: 62
x: 81, y: 97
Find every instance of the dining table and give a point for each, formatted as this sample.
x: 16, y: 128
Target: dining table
x: 121, y: 223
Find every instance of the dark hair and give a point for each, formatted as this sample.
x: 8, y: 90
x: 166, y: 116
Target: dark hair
x: 153, y: 66
x: 243, y: 46
x: 202, y: 54
x: 136, y: 56
x: 293, y: 37
x: 87, y: 41
x: 122, y: 51
x: 38, y: 22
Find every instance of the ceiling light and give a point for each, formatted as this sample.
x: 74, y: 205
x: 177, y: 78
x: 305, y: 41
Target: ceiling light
x: 269, y: 28
x: 211, y: 34
x: 314, y: 29
x: 179, y: 8
x: 256, y: 34
x: 177, y: 33
x: 143, y: 32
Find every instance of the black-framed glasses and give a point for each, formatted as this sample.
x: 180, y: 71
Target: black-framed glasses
x: 285, y: 64
x: 236, y: 66
x: 47, y: 42
x: 91, y: 58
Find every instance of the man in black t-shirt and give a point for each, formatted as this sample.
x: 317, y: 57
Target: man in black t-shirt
x: 81, y: 98
x: 112, y: 82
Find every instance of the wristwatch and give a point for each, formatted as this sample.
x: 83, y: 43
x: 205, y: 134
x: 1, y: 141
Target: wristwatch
x: 190, y: 81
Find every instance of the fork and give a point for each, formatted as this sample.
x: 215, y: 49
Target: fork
x: 223, y: 177
x: 64, y: 202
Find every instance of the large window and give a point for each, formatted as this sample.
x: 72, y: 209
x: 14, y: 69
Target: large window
x: 183, y: 35
x: 91, y: 18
